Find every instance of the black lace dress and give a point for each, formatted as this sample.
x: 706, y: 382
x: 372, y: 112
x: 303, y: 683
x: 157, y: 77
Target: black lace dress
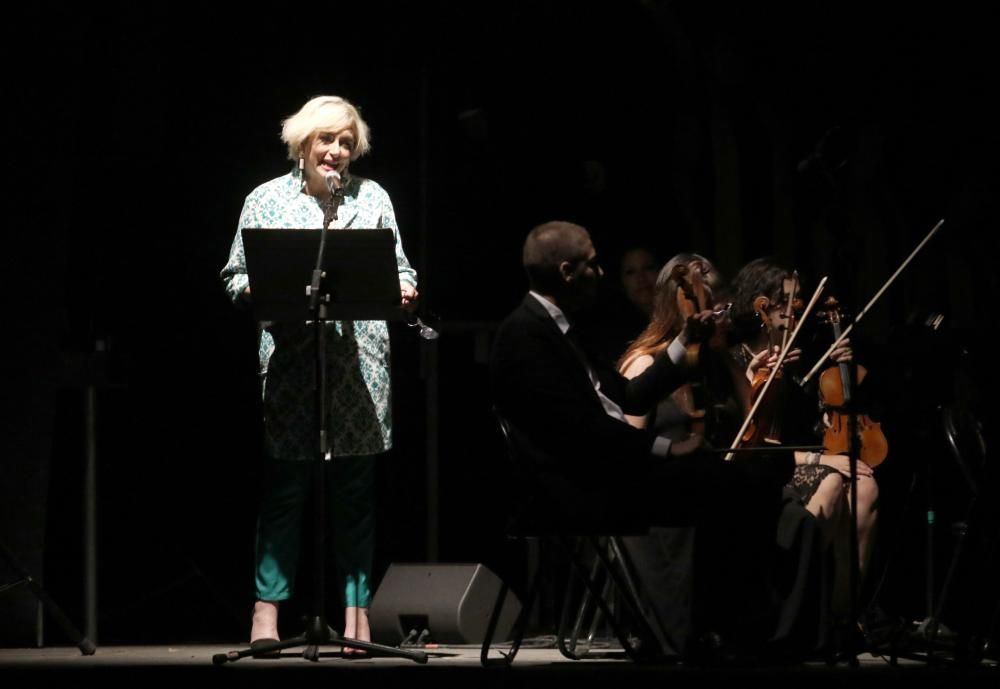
x: 807, y: 478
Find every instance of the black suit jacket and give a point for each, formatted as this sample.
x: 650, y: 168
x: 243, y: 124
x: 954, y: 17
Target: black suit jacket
x: 542, y: 387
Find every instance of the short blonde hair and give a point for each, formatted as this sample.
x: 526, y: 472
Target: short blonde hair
x: 328, y: 114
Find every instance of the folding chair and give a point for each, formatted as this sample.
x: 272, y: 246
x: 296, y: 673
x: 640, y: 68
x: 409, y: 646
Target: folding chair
x: 606, y: 576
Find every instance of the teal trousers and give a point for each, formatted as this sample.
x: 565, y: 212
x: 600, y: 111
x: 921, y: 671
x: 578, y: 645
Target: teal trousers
x: 350, y: 483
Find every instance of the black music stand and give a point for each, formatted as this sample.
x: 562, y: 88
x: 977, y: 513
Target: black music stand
x: 974, y: 529
x: 356, y: 280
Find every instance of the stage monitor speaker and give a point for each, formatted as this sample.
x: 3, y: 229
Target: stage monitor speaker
x: 452, y: 602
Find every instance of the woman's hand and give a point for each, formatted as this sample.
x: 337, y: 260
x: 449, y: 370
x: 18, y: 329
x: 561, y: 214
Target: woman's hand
x: 408, y: 296
x: 768, y: 358
x: 843, y: 352
x: 698, y: 328
x: 718, y: 341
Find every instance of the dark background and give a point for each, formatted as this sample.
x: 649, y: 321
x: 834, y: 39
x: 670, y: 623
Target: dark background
x: 831, y: 134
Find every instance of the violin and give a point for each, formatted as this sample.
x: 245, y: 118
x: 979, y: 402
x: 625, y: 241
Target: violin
x: 765, y: 428
x: 744, y: 435
x: 835, y: 392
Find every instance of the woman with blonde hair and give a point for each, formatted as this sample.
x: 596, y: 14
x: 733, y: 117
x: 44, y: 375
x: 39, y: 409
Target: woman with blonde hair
x: 323, y: 138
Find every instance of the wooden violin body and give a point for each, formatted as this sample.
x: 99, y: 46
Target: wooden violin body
x: 835, y: 393
x: 765, y: 428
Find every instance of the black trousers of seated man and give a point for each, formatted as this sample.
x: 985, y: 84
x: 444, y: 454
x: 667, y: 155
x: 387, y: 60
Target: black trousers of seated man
x: 708, y: 569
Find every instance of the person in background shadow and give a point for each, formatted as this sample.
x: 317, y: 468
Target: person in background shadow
x: 639, y: 269
x: 620, y: 316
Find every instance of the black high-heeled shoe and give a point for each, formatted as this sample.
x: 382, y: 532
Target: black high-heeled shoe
x: 260, y: 644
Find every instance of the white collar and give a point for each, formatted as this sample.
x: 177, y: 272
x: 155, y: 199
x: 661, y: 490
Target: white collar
x: 554, y: 311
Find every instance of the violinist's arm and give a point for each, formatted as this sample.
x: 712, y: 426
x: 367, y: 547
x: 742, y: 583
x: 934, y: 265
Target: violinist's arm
x: 674, y: 448
x: 664, y: 375
x: 636, y: 367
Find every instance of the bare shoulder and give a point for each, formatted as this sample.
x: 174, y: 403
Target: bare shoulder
x: 637, y: 366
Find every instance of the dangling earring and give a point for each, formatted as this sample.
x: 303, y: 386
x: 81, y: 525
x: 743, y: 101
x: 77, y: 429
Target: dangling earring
x: 302, y: 172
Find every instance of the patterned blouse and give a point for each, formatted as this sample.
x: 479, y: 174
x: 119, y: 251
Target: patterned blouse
x: 359, y: 405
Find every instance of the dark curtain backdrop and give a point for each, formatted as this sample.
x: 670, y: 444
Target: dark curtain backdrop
x: 832, y: 135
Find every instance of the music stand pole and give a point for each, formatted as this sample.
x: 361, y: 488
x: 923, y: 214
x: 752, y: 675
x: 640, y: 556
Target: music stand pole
x: 317, y: 631
x: 854, y: 559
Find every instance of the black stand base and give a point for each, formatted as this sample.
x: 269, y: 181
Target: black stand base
x: 317, y: 634
x: 86, y: 646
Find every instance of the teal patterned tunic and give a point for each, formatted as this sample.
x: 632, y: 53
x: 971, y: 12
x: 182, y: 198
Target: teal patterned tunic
x: 359, y: 407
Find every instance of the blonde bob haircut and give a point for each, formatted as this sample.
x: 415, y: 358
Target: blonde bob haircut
x: 324, y: 114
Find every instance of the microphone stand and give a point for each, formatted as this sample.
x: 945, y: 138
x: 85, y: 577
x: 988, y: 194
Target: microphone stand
x: 854, y: 561
x: 317, y: 631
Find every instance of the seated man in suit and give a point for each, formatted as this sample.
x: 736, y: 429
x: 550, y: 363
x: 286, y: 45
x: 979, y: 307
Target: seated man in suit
x: 594, y: 469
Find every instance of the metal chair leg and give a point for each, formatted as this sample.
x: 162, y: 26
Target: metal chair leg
x: 520, y: 624
x: 567, y: 643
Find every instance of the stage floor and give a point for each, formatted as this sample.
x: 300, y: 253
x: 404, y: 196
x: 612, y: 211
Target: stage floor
x: 447, y: 666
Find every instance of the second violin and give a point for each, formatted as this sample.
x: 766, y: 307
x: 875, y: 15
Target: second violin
x: 837, y: 392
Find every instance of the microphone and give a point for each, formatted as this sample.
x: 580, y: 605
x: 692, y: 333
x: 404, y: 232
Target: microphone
x: 426, y: 331
x: 332, y: 179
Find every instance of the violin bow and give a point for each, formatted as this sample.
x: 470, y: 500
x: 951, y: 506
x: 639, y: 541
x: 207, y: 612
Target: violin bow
x: 790, y: 307
x: 777, y: 366
x: 874, y: 299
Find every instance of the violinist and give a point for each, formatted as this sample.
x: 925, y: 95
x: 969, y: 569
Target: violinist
x: 679, y: 418
x: 761, y: 293
x: 693, y: 423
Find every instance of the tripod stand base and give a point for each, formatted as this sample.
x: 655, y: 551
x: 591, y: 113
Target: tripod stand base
x: 86, y: 646
x: 317, y: 634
